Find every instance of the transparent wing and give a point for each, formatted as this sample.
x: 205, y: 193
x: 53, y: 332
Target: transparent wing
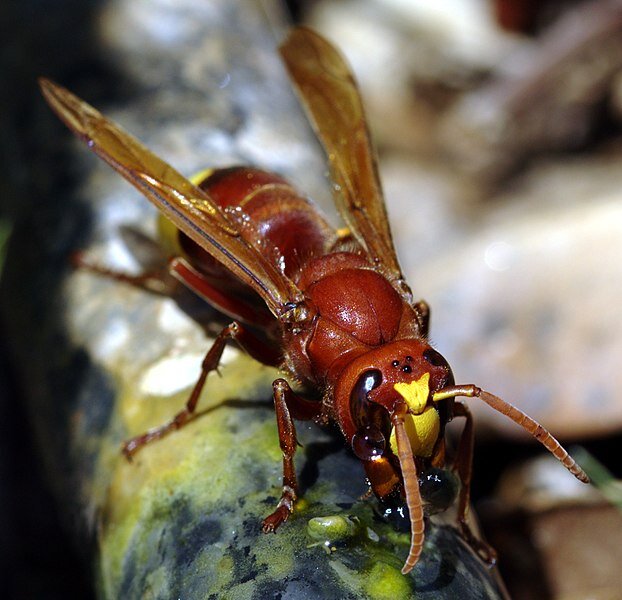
x: 333, y: 104
x: 186, y: 205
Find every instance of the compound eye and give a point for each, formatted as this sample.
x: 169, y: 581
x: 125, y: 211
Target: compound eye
x: 367, y: 382
x: 369, y: 443
x: 360, y: 407
x: 436, y: 359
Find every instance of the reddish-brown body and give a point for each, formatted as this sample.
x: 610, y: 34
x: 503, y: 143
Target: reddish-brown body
x: 353, y: 307
x: 357, y: 320
x: 333, y: 309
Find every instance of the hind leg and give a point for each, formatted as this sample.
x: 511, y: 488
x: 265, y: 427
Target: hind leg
x: 234, y: 331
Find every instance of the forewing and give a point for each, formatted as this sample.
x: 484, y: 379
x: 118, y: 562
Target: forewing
x: 186, y: 205
x: 333, y: 104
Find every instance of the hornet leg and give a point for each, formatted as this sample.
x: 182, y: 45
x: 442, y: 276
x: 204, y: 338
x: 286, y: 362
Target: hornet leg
x: 464, y: 468
x: 234, y: 331
x: 287, y: 402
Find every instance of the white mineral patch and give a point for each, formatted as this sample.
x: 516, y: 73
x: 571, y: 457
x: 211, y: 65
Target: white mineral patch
x: 111, y: 339
x: 172, y: 320
x: 173, y: 374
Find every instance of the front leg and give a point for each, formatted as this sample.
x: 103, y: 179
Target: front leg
x: 284, y: 400
x: 464, y: 467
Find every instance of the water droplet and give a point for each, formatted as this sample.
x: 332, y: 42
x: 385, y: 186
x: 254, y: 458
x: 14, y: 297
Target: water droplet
x: 368, y: 443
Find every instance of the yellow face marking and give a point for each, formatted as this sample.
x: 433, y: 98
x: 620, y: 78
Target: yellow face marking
x: 422, y: 431
x: 415, y: 393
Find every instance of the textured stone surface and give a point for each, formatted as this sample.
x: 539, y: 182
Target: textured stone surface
x: 185, y: 518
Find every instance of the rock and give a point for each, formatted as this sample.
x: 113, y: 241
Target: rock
x: 185, y: 519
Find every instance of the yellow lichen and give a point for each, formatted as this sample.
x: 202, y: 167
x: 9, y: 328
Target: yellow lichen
x: 385, y: 582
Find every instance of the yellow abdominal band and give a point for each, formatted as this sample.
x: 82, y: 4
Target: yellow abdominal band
x: 168, y: 234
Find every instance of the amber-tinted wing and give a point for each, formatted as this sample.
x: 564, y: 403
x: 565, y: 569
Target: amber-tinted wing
x: 333, y: 103
x: 187, y: 206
